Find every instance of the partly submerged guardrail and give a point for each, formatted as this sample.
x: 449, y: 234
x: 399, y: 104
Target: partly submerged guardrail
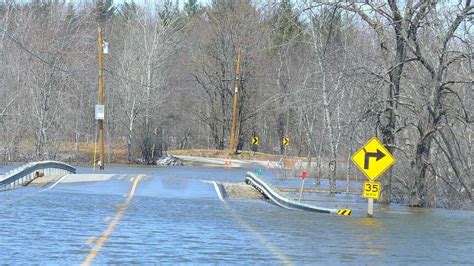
x: 30, y: 171
x: 264, y: 188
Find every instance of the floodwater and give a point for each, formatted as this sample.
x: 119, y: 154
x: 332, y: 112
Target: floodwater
x: 175, y: 217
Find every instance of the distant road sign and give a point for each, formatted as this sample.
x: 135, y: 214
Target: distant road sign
x: 285, y: 141
x: 255, y: 140
x: 373, y: 159
x: 372, y: 190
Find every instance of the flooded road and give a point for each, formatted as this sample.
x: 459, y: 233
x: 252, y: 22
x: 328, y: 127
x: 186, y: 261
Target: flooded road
x: 174, y: 217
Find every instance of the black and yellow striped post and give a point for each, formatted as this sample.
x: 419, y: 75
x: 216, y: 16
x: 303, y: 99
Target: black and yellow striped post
x: 344, y: 212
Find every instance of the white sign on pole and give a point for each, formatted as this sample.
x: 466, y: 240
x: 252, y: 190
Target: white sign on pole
x: 99, y: 112
x: 105, y: 47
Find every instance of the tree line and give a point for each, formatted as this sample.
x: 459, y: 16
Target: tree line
x: 328, y: 75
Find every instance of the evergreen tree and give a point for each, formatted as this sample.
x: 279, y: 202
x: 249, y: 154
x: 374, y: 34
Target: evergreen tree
x: 191, y: 7
x: 104, y: 10
x: 286, y: 23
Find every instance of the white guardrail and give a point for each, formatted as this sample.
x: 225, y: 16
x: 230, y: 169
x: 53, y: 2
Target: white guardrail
x: 30, y: 171
x: 264, y: 188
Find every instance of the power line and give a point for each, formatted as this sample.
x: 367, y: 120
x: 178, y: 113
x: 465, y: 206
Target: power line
x: 21, y: 46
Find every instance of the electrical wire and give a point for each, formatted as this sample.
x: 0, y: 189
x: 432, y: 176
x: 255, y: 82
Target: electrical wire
x: 21, y: 46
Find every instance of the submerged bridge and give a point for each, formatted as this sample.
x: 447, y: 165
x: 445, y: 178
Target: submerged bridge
x: 272, y: 194
x: 27, y: 173
x: 24, y: 174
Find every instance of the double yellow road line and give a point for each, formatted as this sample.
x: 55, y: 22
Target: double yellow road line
x: 118, y: 216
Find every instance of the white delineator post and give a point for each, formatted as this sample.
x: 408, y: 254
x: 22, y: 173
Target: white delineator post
x: 370, y: 208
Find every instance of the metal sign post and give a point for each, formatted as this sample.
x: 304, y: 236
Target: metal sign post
x: 373, y: 159
x: 304, y: 174
x: 371, y: 191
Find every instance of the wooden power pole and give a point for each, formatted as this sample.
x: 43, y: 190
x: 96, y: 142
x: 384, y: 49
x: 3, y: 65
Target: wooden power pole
x: 101, y: 98
x: 233, y: 132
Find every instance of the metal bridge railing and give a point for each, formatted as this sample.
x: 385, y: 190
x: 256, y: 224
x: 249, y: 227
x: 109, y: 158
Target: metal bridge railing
x: 30, y: 171
x: 276, y: 198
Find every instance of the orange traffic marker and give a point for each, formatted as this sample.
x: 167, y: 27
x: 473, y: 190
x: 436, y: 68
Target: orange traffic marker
x: 228, y: 163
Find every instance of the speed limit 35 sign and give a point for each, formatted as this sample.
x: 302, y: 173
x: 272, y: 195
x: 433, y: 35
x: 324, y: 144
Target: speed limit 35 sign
x: 372, y: 190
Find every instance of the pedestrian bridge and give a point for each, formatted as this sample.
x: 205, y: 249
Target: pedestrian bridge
x: 24, y: 174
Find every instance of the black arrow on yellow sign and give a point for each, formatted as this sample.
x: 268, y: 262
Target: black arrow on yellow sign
x: 377, y: 155
x: 255, y: 140
x: 285, y: 141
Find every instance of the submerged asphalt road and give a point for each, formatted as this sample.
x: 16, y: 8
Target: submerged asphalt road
x: 169, y: 215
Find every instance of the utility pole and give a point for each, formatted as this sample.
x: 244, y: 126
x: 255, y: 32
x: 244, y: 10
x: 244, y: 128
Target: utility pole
x: 101, y: 98
x: 233, y: 132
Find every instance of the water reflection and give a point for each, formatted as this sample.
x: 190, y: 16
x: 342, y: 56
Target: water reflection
x: 371, y: 231
x: 372, y: 223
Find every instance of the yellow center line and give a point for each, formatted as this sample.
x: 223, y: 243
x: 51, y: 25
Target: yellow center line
x: 105, y: 236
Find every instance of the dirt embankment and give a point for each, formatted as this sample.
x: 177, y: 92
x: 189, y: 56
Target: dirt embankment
x: 241, y: 191
x: 116, y: 153
x: 226, y: 154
